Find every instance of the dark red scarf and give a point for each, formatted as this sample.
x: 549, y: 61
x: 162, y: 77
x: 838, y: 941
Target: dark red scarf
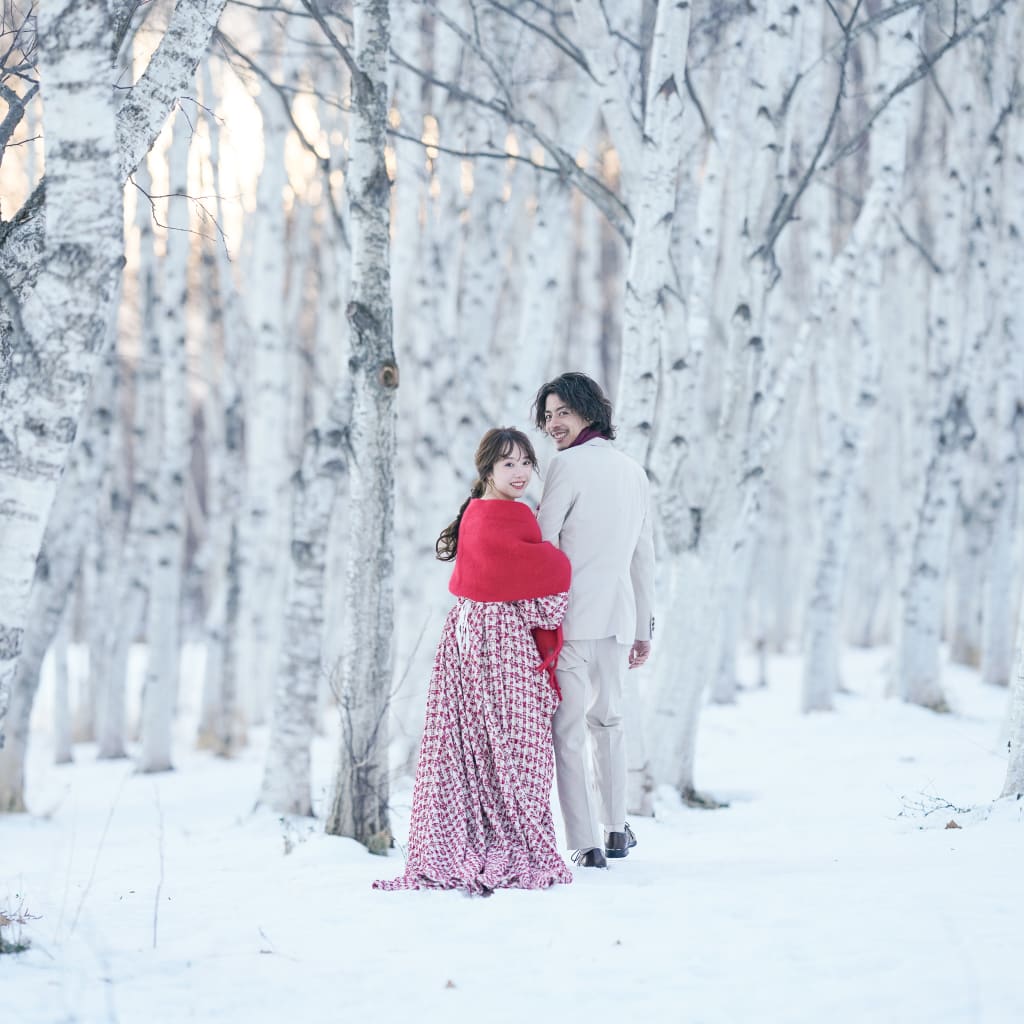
x: 501, y: 557
x: 585, y: 435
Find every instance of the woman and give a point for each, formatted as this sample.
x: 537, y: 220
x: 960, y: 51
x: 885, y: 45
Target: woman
x: 481, y: 811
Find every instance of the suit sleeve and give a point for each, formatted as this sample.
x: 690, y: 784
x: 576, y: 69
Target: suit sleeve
x: 641, y: 572
x: 556, y: 502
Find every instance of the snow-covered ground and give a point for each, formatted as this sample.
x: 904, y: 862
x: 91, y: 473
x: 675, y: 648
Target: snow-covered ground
x: 830, y: 890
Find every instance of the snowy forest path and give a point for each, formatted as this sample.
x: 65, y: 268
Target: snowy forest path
x: 830, y: 888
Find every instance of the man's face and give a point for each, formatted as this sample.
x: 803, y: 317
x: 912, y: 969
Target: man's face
x: 561, y: 424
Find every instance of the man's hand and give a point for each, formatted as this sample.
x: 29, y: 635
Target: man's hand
x: 639, y: 653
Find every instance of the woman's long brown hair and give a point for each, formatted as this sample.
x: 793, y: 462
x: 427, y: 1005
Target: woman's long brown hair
x: 497, y: 444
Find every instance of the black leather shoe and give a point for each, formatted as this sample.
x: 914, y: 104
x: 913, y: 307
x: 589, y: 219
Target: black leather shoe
x: 589, y: 858
x: 618, y: 844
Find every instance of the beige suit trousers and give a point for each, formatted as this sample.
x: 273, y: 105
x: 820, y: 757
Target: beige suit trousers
x: 590, y: 746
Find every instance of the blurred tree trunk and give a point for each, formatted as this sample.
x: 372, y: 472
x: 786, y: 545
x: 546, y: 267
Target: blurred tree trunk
x: 268, y: 462
x: 166, y: 549
x: 848, y: 377
x: 63, y: 751
x: 222, y: 725
x: 287, y: 779
x: 1014, y: 784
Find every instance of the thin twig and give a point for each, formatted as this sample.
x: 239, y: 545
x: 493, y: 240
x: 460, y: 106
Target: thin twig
x: 15, y: 112
x: 323, y: 163
x: 560, y: 42
x: 783, y: 213
x: 342, y: 50
x: 96, y: 857
x: 856, y: 140
x: 615, y: 211
x: 916, y: 244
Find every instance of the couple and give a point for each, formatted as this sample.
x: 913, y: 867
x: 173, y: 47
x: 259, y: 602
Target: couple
x: 551, y: 613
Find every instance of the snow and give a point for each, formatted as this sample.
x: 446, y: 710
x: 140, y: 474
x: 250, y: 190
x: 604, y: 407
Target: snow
x: 828, y: 890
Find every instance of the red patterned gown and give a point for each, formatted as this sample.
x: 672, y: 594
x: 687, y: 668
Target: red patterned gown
x: 481, y: 810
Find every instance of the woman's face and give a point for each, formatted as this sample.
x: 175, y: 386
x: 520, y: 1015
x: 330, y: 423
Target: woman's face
x: 510, y: 475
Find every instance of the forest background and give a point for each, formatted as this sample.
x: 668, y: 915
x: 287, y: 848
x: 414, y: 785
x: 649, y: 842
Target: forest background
x: 269, y: 270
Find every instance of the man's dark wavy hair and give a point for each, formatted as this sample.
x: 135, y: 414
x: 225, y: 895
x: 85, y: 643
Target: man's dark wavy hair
x: 583, y: 395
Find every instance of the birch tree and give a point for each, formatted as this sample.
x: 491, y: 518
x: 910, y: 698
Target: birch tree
x: 61, y: 256
x: 167, y: 544
x: 267, y: 393
x: 60, y: 324
x: 222, y: 724
x: 845, y: 417
x: 1014, y: 783
x: 286, y: 786
x: 951, y: 430
x: 70, y: 524
x: 360, y: 798
x: 1005, y: 155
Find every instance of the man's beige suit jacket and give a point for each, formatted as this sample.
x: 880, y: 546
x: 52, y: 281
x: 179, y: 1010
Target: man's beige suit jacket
x: 596, y: 508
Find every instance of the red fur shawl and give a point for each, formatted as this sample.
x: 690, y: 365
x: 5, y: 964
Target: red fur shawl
x: 501, y: 556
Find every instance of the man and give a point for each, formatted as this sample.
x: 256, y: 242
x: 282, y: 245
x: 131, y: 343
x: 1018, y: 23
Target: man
x: 596, y: 508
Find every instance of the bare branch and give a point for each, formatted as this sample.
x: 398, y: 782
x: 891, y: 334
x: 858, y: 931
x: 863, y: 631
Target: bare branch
x: 474, y: 45
x: 614, y: 210
x: 323, y: 163
x: 917, y: 245
x: 342, y: 50
x: 277, y: 9
x: 123, y: 19
x: 15, y: 112
x: 197, y: 201
x: 783, y: 213
x: 17, y: 337
x: 559, y: 41
x: 855, y: 141
x: 695, y: 99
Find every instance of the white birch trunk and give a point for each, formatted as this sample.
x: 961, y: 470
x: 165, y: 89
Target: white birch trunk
x: 64, y: 252
x: 134, y: 577
x: 287, y: 779
x: 586, y: 347
x: 268, y: 463
x: 860, y: 274
x: 846, y: 416
x: 706, y: 532
x: 528, y: 361
x: 650, y: 274
x: 67, y: 312
x: 1014, y: 783
x: 83, y: 714
x: 222, y: 725
x: 971, y: 541
x: 425, y: 430
x: 68, y: 528
x: 725, y: 677
x: 1002, y: 586
x: 1001, y: 589
x: 410, y: 181
x: 63, y: 750
x: 167, y: 551
x: 109, y: 544
x: 140, y: 119
x: 615, y: 66
x: 360, y: 799
x: 918, y: 673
